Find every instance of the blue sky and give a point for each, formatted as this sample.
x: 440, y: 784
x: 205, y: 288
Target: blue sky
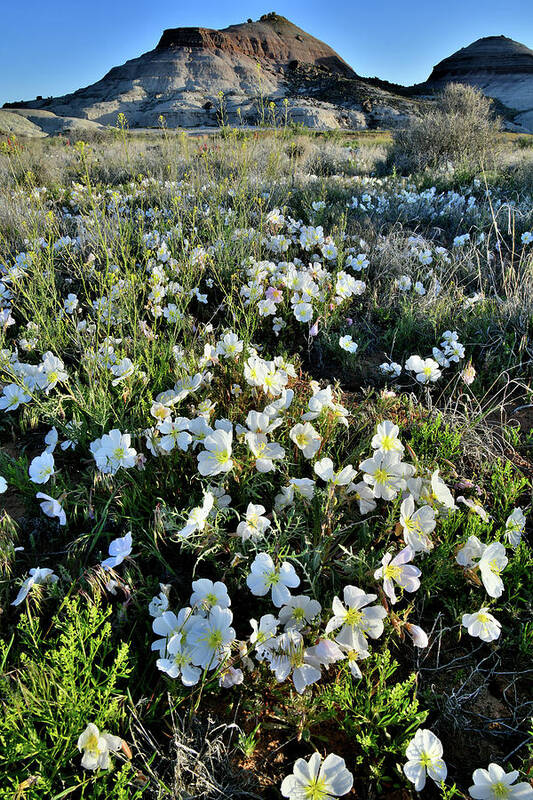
x: 50, y: 47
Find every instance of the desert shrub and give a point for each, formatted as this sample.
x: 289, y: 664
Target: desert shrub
x: 327, y: 158
x: 459, y: 129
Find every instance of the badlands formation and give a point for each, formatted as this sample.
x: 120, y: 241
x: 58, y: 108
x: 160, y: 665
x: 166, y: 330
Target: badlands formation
x: 250, y: 66
x: 256, y: 70
x: 500, y: 67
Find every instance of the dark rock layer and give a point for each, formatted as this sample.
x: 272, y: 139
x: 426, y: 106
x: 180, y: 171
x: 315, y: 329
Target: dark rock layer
x: 496, y: 55
x: 272, y: 37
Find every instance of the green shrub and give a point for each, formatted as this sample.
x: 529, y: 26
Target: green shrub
x: 459, y: 129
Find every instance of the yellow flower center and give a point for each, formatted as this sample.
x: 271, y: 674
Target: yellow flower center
x: 381, y: 476
x: 391, y: 572
x: 316, y: 790
x: 500, y: 790
x: 353, y: 617
x: 214, y: 640
x: 92, y: 744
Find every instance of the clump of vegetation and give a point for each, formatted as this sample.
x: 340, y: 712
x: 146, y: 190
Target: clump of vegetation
x: 459, y: 129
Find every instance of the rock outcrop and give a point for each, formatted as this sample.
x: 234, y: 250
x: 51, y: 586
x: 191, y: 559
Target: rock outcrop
x: 271, y: 38
x: 38, y: 123
x: 245, y: 73
x: 500, y: 67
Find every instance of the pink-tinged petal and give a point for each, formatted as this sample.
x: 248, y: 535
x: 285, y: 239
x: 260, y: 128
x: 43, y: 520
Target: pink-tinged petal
x: 404, y: 556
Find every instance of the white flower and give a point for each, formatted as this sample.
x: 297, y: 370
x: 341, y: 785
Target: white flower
x: 397, y: 570
x: 41, y: 468
x: 50, y: 440
x: 265, y: 452
x: 348, y: 344
x: 265, y: 576
x: 424, y: 755
x: 230, y: 346
x: 393, y: 369
x: 417, y: 525
x: 440, y: 358
x: 301, y: 487
x: 174, y: 433
x: 306, y: 438
x: 3, y: 485
x: 491, y: 563
x: 207, y: 594
x: 53, y: 371
x: 317, y: 780
x: 113, y: 451
x: 426, y: 370
x: 384, y: 472
x: 364, y: 496
x: 442, y: 494
x: 419, y: 636
x: 324, y: 469
x: 474, y: 506
x: 404, y: 283
x: 386, y: 438
x: 514, y: 527
x: 288, y: 655
x: 96, y: 747
x: 210, y: 638
x: 303, y: 311
x: 13, y: 397
x: 38, y: 576
x: 527, y: 237
x: 70, y: 304
x: 264, y: 635
x: 449, y: 337
x: 357, y: 621
x: 177, y: 660
x: 119, y: 549
x: 122, y: 370
x: 481, y: 623
x: 299, y: 612
x: 198, y: 516
x: 167, y: 624
x: 159, y: 604
x: 231, y: 677
x: 472, y: 550
x: 51, y: 507
x: 254, y: 525
x: 216, y: 457
x: 323, y: 399
x: 496, y: 784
